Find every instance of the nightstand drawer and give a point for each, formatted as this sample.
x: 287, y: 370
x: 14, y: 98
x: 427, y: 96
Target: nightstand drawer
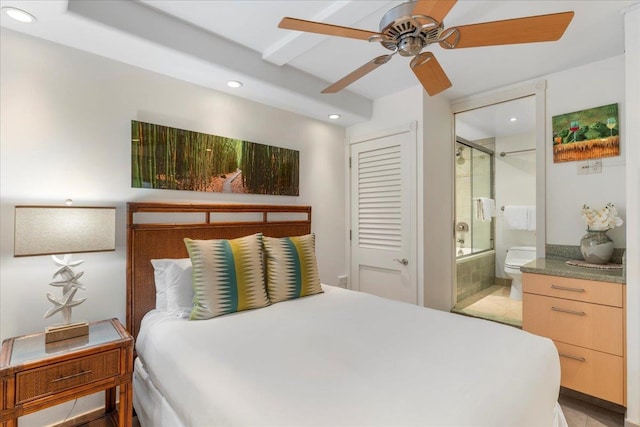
x: 594, y: 326
x: 592, y: 372
x: 604, y: 293
x: 60, y: 376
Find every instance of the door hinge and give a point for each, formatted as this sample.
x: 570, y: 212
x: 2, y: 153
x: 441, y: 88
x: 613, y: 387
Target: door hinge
x: 349, y: 162
x: 349, y: 235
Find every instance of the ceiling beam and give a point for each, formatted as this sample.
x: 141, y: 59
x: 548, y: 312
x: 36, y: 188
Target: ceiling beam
x: 345, y: 13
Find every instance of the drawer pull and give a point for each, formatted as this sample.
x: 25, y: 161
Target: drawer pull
x: 571, y: 356
x: 68, y: 377
x: 565, y: 288
x: 564, y: 310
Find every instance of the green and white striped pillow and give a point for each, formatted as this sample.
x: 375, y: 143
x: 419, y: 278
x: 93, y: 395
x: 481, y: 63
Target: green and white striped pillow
x: 292, y: 270
x: 227, y: 276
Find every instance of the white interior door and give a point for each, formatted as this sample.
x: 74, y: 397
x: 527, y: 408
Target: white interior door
x: 383, y: 250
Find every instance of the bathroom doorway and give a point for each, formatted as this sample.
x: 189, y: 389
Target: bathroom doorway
x: 495, y: 166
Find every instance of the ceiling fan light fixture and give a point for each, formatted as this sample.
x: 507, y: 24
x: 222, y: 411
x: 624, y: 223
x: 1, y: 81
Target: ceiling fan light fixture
x: 410, y: 46
x: 234, y: 84
x: 19, y: 15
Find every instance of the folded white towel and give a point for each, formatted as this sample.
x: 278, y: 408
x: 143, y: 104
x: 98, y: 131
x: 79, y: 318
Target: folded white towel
x: 516, y: 217
x: 488, y: 208
x: 531, y: 218
x: 485, y: 208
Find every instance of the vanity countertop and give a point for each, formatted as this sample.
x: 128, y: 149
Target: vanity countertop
x: 555, y: 267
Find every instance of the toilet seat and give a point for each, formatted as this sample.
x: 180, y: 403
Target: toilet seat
x: 517, y: 262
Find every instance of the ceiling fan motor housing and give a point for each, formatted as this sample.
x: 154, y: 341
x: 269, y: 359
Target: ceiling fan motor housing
x: 408, y: 33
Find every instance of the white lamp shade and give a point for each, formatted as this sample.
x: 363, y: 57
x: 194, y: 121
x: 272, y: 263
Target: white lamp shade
x: 46, y: 230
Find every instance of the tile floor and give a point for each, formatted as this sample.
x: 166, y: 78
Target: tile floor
x: 494, y: 304
x: 583, y: 414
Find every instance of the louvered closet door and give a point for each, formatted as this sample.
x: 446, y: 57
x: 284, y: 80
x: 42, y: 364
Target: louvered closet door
x: 381, y: 220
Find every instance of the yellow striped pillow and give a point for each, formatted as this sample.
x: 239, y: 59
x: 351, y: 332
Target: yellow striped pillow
x: 227, y: 276
x: 292, y: 270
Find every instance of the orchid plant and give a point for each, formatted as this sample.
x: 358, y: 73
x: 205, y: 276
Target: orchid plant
x: 602, y: 220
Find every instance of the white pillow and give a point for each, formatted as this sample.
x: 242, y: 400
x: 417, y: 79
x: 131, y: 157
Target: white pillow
x: 174, y: 289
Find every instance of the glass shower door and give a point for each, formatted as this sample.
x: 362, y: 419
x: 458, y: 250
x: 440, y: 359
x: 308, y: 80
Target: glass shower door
x: 481, y: 184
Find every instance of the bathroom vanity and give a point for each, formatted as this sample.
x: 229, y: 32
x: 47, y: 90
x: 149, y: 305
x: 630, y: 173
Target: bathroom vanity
x: 583, y: 311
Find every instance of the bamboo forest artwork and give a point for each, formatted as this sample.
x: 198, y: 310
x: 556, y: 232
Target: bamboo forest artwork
x: 586, y: 134
x: 176, y: 159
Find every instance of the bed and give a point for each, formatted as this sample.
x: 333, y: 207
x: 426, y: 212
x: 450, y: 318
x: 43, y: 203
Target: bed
x: 337, y: 358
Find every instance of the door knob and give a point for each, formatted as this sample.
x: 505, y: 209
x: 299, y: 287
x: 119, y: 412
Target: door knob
x: 402, y: 261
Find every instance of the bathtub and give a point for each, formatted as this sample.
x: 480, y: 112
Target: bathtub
x: 466, y: 252
x: 474, y: 272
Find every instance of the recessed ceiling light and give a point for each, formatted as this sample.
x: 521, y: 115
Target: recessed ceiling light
x: 513, y: 119
x: 19, y: 15
x: 234, y: 84
x: 334, y: 116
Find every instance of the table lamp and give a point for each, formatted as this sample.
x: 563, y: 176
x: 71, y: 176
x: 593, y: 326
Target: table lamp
x: 54, y: 230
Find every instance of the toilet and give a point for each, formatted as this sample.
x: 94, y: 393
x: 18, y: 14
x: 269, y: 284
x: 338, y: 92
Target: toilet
x: 517, y: 256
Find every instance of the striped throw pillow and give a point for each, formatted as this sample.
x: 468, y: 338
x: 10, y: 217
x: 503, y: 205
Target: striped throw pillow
x: 292, y: 270
x: 227, y: 276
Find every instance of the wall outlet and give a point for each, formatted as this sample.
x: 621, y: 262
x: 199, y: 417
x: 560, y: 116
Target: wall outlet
x: 343, y: 281
x: 588, y: 167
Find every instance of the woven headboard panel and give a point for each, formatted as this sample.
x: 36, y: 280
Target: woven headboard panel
x: 157, y: 230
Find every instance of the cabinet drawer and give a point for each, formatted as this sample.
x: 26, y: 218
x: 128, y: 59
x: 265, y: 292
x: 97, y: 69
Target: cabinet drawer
x: 592, y: 372
x: 60, y: 376
x: 594, y: 326
x: 605, y: 293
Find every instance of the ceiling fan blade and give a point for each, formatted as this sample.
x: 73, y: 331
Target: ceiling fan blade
x: 358, y: 73
x: 437, y: 9
x: 431, y: 75
x: 542, y: 28
x: 322, y: 28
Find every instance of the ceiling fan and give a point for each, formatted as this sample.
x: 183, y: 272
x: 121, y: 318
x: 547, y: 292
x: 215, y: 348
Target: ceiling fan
x: 412, y: 26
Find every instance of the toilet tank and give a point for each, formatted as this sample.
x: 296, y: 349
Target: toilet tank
x: 520, y: 255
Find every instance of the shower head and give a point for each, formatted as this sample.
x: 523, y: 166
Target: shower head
x: 460, y: 160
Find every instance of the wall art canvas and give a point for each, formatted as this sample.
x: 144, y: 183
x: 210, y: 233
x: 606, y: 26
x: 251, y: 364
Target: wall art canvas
x: 586, y: 134
x: 163, y: 157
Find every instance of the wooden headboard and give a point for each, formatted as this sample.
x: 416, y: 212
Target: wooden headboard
x: 157, y: 230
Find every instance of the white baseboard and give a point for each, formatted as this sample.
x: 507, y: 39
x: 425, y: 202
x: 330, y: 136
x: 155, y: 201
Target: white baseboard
x: 628, y: 423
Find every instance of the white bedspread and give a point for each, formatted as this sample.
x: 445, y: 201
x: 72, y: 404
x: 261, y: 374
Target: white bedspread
x: 345, y: 358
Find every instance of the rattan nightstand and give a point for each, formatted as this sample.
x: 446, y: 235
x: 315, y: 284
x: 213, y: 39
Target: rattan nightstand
x: 35, y: 376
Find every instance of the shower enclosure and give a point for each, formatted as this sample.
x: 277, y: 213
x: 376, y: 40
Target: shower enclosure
x: 475, y: 257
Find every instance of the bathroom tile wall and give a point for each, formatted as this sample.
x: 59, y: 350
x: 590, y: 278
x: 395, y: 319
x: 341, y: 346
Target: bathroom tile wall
x: 474, y: 274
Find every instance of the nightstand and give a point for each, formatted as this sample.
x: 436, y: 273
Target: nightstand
x: 35, y: 375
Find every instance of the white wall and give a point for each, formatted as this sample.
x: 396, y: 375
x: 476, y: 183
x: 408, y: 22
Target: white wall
x: 592, y: 85
x: 515, y: 184
x: 438, y: 161
x: 632, y: 226
x: 65, y: 132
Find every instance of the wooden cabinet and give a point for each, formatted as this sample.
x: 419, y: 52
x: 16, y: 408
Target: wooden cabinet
x: 35, y: 375
x: 586, y: 321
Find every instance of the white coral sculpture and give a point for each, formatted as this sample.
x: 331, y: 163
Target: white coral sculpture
x: 68, y: 281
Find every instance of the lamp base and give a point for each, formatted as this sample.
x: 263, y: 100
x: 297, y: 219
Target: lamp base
x: 63, y: 332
